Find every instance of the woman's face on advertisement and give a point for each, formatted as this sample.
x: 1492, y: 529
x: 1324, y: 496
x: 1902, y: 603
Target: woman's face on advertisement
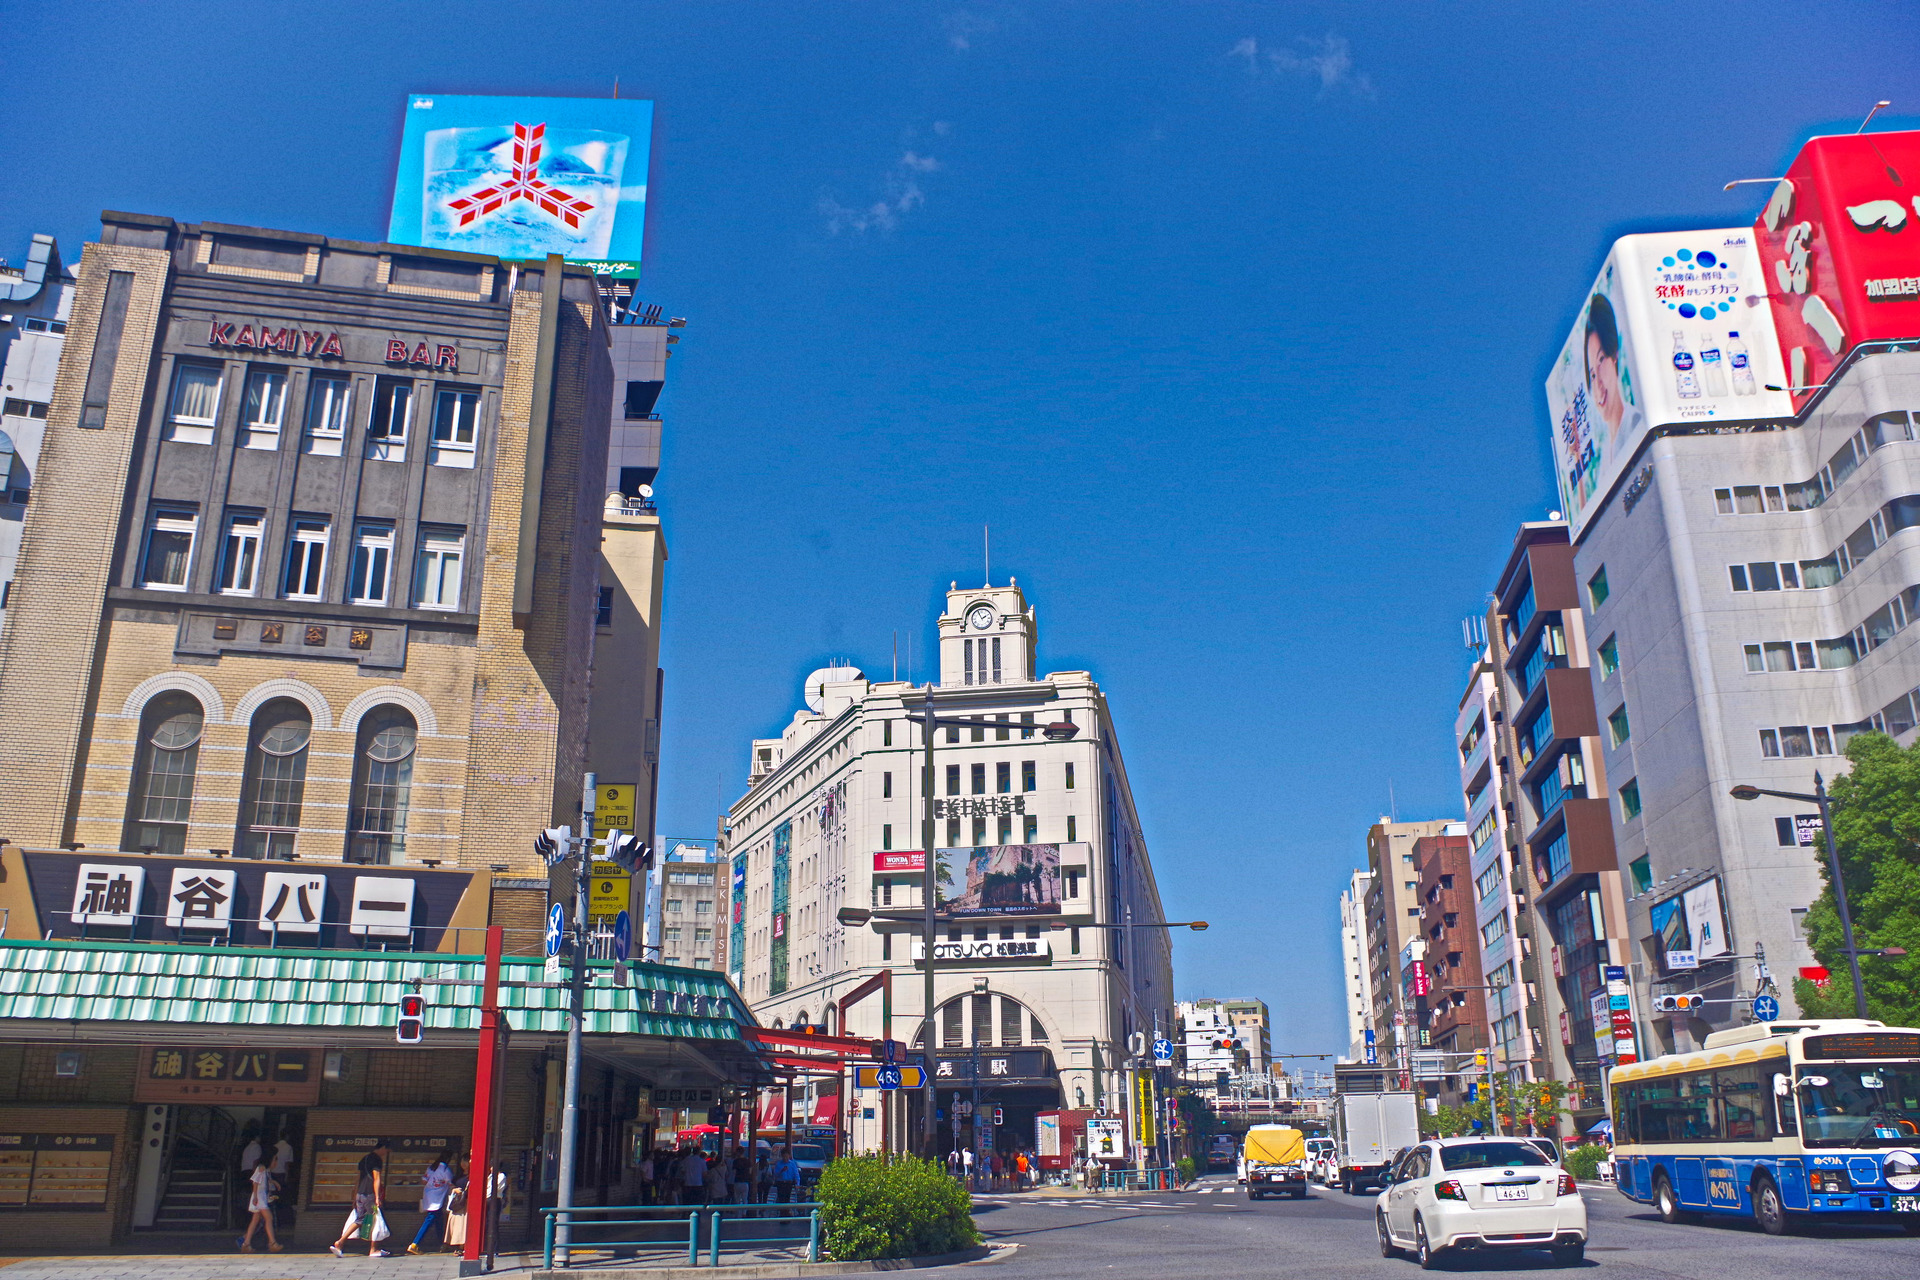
x: 1603, y: 383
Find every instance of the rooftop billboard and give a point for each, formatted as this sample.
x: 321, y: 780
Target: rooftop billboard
x: 525, y: 177
x: 1670, y: 333
x: 1841, y: 249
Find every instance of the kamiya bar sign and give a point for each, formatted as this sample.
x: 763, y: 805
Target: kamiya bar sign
x: 315, y: 343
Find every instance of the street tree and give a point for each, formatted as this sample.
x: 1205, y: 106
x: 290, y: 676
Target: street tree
x: 1876, y: 829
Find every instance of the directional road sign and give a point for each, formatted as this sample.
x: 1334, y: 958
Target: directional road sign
x: 889, y: 1077
x: 1766, y: 1008
x: 556, y: 928
x: 622, y: 937
x: 1162, y: 1050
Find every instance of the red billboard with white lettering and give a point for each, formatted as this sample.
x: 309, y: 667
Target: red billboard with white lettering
x: 904, y: 860
x: 1840, y: 251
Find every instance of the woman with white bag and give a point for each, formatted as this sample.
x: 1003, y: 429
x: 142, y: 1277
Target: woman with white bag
x: 369, y: 1193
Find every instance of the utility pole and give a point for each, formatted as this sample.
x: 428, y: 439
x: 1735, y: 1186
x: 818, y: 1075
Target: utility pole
x: 929, y: 1135
x: 576, y: 1007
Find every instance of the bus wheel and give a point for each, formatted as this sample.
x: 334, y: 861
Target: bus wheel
x: 1665, y: 1201
x: 1767, y: 1209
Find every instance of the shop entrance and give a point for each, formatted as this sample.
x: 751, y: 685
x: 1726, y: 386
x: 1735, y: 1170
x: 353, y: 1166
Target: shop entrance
x: 189, y: 1178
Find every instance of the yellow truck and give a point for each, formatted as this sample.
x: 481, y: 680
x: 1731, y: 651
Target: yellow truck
x: 1275, y: 1161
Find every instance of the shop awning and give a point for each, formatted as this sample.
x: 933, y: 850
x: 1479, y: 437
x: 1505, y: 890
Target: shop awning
x: 137, y: 991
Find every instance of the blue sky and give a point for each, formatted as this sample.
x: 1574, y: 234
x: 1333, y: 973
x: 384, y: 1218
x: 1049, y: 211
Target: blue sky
x: 1229, y: 318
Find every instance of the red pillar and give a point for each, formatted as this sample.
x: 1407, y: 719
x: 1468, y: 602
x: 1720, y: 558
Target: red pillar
x: 485, y: 1085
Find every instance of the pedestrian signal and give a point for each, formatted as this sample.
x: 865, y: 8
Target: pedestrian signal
x: 413, y: 1018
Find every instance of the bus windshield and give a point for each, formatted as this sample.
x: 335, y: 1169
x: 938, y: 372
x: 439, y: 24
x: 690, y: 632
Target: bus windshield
x: 1860, y: 1104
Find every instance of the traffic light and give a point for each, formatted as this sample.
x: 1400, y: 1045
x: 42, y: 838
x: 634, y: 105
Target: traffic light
x: 1690, y: 1002
x: 553, y: 844
x: 999, y: 1116
x: 413, y: 1018
x: 625, y: 848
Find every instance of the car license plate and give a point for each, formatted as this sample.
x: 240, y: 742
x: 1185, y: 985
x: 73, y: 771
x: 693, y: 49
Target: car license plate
x: 1906, y: 1204
x: 1509, y: 1193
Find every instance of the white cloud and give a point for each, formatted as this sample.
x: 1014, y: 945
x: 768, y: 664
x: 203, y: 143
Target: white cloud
x: 962, y: 26
x: 1328, y: 60
x: 902, y: 194
x: 941, y: 128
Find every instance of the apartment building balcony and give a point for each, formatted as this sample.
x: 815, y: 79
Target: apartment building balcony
x: 1577, y: 841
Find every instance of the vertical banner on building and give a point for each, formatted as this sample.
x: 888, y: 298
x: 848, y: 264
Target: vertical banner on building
x: 782, y: 878
x: 1146, y: 1129
x: 1620, y: 1004
x: 737, y: 921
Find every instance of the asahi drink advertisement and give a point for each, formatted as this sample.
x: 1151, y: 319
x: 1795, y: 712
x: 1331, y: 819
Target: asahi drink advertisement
x: 1674, y: 330
x: 525, y: 177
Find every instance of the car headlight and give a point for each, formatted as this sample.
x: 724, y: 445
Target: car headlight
x: 1830, y: 1181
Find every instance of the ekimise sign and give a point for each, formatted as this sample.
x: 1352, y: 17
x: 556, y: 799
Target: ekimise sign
x: 313, y: 343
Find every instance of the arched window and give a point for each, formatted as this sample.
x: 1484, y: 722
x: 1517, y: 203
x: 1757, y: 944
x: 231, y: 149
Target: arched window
x: 163, y: 767
x: 276, y: 779
x: 382, y: 780
x: 964, y: 1019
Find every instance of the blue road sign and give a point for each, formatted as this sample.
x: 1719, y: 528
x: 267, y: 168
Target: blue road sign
x: 890, y: 1051
x: 622, y: 937
x: 1766, y: 1008
x: 1162, y: 1049
x: 556, y: 927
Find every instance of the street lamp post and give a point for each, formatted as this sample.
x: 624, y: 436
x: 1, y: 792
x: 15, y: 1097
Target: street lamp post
x: 1819, y: 797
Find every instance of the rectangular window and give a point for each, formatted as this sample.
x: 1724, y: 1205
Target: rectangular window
x: 1597, y: 589
x: 1737, y: 575
x: 1003, y: 733
x: 1609, y: 657
x: 886, y: 786
x: 456, y: 420
x: 966, y: 648
x: 603, y: 608
x: 1069, y: 775
x: 1071, y: 834
x: 1003, y: 777
x: 1630, y: 798
x: 169, y: 549
x: 979, y: 733
x: 1032, y: 830
x: 371, y: 573
x: 1723, y: 502
x: 1026, y: 724
x: 306, y: 560
x: 979, y: 779
x: 996, y: 659
x: 263, y: 409
x: 886, y: 946
x: 953, y: 734
x: 437, y: 572
x: 979, y: 832
x: 953, y: 833
x: 392, y: 415
x: 1756, y: 662
x: 1027, y: 776
x: 886, y: 835
x: 1763, y: 575
x: 1006, y: 830
x: 196, y: 404
x: 329, y: 410
x: 886, y: 733
x: 953, y: 779
x: 1617, y: 727
x: 1795, y: 741
x: 1769, y: 743
x: 240, y: 556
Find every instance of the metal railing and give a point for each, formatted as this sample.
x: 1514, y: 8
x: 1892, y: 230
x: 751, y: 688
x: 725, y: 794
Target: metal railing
x: 1160, y: 1179
x: 729, y: 1226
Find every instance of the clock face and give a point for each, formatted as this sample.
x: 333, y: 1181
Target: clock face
x: 981, y: 617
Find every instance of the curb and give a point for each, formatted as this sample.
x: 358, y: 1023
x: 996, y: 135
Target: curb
x: 781, y: 1270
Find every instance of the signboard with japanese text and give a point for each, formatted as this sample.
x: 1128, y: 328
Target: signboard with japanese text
x: 1040, y: 948
x: 525, y: 177
x: 900, y: 860
x: 1106, y: 1139
x: 997, y: 880
x: 1664, y: 337
x: 613, y: 808
x: 608, y: 891
x: 1626, y: 1044
x: 63, y: 1172
x: 228, y: 1076
x: 244, y: 901
x: 336, y: 1164
x: 1839, y: 242
x: 996, y: 1066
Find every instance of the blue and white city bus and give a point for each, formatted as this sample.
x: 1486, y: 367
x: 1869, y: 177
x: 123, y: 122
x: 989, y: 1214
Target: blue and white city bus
x: 1780, y: 1121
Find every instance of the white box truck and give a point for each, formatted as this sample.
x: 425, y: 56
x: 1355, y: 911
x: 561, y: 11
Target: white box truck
x: 1367, y: 1129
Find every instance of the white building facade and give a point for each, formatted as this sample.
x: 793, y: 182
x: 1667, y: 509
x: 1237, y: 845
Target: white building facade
x: 1049, y: 1001
x: 34, y: 298
x: 1357, y: 973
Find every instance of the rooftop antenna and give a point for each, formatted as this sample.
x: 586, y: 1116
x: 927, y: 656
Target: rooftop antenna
x: 1393, y: 810
x: 616, y: 86
x: 896, y: 657
x: 1870, y: 115
x: 986, y: 552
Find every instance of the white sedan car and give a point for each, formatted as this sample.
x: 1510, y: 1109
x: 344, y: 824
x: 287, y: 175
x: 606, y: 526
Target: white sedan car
x: 1480, y: 1193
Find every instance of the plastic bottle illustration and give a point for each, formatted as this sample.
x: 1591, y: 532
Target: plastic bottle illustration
x: 1712, y: 371
x: 1743, y: 384
x: 1685, y: 379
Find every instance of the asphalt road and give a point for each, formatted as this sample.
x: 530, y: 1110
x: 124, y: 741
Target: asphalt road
x: 1215, y: 1233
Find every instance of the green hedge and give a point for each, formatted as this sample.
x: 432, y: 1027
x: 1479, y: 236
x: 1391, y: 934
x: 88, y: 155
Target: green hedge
x: 1186, y: 1169
x: 1583, y: 1162
x: 899, y: 1207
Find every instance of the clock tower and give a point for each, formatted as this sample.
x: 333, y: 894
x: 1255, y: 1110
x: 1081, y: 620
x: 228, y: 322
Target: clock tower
x: 986, y: 637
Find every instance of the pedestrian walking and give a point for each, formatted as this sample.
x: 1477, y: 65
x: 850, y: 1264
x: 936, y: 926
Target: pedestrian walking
x: 454, y: 1237
x: 1020, y: 1171
x: 762, y: 1177
x: 786, y: 1177
x: 282, y: 1171
x: 435, y: 1186
x: 966, y: 1166
x: 646, y: 1178
x: 260, y: 1205
x: 693, y: 1177
x: 719, y: 1181
x: 369, y: 1193
x: 741, y: 1177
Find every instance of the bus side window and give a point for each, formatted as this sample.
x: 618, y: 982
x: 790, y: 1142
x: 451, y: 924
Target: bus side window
x: 1786, y: 1122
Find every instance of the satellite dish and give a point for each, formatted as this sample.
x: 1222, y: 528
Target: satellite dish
x: 646, y: 491
x: 817, y: 681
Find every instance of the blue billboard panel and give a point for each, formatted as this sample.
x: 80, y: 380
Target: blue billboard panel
x: 525, y: 177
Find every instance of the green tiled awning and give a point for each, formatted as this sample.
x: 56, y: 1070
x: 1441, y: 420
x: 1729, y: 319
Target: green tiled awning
x: 225, y: 986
